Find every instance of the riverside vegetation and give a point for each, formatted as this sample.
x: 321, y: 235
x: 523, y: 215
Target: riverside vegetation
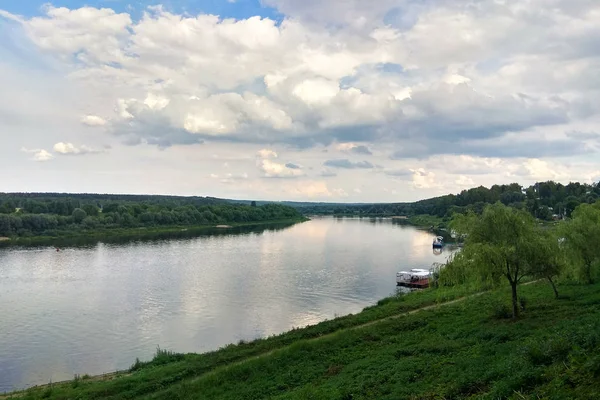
x: 545, y: 201
x: 31, y: 217
x: 515, y: 315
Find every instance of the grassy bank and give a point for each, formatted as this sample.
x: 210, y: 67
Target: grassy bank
x: 64, y: 238
x: 466, y: 349
x: 427, y: 221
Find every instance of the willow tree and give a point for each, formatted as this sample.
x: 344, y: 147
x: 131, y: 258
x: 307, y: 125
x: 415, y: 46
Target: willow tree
x: 545, y: 257
x: 582, y: 239
x: 498, y: 245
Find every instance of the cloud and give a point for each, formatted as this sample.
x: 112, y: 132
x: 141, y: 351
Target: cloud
x: 423, y: 179
x: 387, y: 73
x: 229, y: 178
x: 512, y: 83
x: 72, y: 150
x: 273, y: 169
x: 42, y: 155
x: 9, y: 16
x: 347, y: 164
x: 327, y: 173
x: 93, y: 120
x: 354, y: 148
x: 312, y: 189
x: 266, y: 153
x: 467, y: 165
x: 541, y: 171
x: 403, y: 172
x: 362, y: 150
x: 465, y: 181
x: 39, y: 154
x: 583, y: 135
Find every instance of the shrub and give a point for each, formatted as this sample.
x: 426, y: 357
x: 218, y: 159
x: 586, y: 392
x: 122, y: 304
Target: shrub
x: 501, y: 311
x: 165, y: 357
x: 136, y: 365
x: 523, y: 302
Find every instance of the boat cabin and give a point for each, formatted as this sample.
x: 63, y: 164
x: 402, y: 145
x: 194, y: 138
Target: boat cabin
x: 415, y: 278
x: 438, y: 242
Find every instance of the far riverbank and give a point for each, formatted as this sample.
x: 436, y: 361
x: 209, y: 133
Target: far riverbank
x: 68, y: 238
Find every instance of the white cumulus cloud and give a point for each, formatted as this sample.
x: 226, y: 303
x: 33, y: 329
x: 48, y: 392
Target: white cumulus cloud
x: 70, y: 149
x: 38, y: 154
x: 93, y: 120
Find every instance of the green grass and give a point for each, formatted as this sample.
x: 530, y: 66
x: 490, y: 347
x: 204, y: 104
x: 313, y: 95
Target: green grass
x: 463, y: 350
x: 426, y: 221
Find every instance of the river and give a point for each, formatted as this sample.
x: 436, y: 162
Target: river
x: 95, y: 308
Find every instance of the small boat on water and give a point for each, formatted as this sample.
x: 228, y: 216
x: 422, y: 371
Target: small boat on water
x: 415, y: 278
x: 419, y: 278
x: 438, y: 242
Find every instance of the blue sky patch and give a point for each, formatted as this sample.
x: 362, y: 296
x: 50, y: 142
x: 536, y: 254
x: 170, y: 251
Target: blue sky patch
x: 240, y: 9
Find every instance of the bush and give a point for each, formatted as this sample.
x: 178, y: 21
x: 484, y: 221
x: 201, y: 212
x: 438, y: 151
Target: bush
x: 523, y: 302
x: 501, y: 311
x: 136, y: 365
x: 165, y: 357
x: 556, y: 349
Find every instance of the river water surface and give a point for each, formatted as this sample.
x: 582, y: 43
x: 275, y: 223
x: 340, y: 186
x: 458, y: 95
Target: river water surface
x: 94, y: 309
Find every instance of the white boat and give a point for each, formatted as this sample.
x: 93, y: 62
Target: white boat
x: 418, y: 278
x: 438, y: 242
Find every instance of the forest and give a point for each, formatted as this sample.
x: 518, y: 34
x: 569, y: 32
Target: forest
x: 48, y: 214
x: 544, y: 200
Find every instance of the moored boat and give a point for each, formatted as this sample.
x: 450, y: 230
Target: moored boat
x: 415, y: 278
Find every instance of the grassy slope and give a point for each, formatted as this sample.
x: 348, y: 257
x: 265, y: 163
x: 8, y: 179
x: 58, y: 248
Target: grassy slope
x: 457, y: 351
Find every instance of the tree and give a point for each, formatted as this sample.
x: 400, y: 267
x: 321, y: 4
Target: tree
x: 498, y: 244
x: 79, y: 215
x: 571, y: 203
x: 545, y: 256
x: 253, y: 204
x: 544, y: 213
x: 91, y: 210
x: 582, y: 239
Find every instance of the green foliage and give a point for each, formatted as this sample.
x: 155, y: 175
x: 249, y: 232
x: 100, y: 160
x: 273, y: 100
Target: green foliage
x: 91, y: 210
x: 427, y: 221
x: 79, y: 215
x: 63, y: 215
x: 75, y: 382
x: 137, y: 365
x: 500, y: 244
x: 501, y: 310
x: 582, y: 240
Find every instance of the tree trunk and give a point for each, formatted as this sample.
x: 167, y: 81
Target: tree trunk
x: 515, y: 302
x: 553, y: 287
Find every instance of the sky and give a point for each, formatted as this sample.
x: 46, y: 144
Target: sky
x: 307, y: 100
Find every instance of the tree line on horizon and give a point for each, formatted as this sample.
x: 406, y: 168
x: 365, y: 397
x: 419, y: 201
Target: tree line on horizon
x: 544, y: 200
x: 50, y: 214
